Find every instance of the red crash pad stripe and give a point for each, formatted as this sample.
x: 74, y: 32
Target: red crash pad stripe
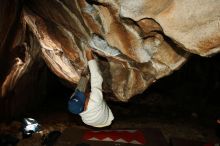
x: 126, y: 135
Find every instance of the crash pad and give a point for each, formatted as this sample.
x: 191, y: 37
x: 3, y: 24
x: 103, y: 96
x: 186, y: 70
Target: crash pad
x: 111, y: 137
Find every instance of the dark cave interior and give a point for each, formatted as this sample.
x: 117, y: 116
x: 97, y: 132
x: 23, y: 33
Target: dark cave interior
x: 187, y: 99
x: 179, y: 104
x: 191, y: 90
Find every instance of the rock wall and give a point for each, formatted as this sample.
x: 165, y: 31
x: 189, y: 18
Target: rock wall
x: 136, y: 42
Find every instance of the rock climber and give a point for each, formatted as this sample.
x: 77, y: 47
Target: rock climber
x: 90, y: 105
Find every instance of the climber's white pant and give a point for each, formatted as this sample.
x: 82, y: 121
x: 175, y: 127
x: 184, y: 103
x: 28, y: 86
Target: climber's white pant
x: 98, y: 114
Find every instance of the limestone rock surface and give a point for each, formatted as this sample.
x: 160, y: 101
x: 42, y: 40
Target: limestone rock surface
x: 195, y: 25
x: 135, y: 42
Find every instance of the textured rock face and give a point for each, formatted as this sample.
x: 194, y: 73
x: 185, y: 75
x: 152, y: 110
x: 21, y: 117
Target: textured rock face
x: 66, y: 29
x: 193, y: 24
x: 136, y: 42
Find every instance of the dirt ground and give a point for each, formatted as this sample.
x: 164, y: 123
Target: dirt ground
x: 135, y: 114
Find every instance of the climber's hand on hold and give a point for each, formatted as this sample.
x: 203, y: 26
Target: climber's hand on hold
x: 89, y: 54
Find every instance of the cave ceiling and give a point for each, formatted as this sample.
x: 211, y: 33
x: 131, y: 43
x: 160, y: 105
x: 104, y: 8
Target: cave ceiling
x: 136, y: 42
